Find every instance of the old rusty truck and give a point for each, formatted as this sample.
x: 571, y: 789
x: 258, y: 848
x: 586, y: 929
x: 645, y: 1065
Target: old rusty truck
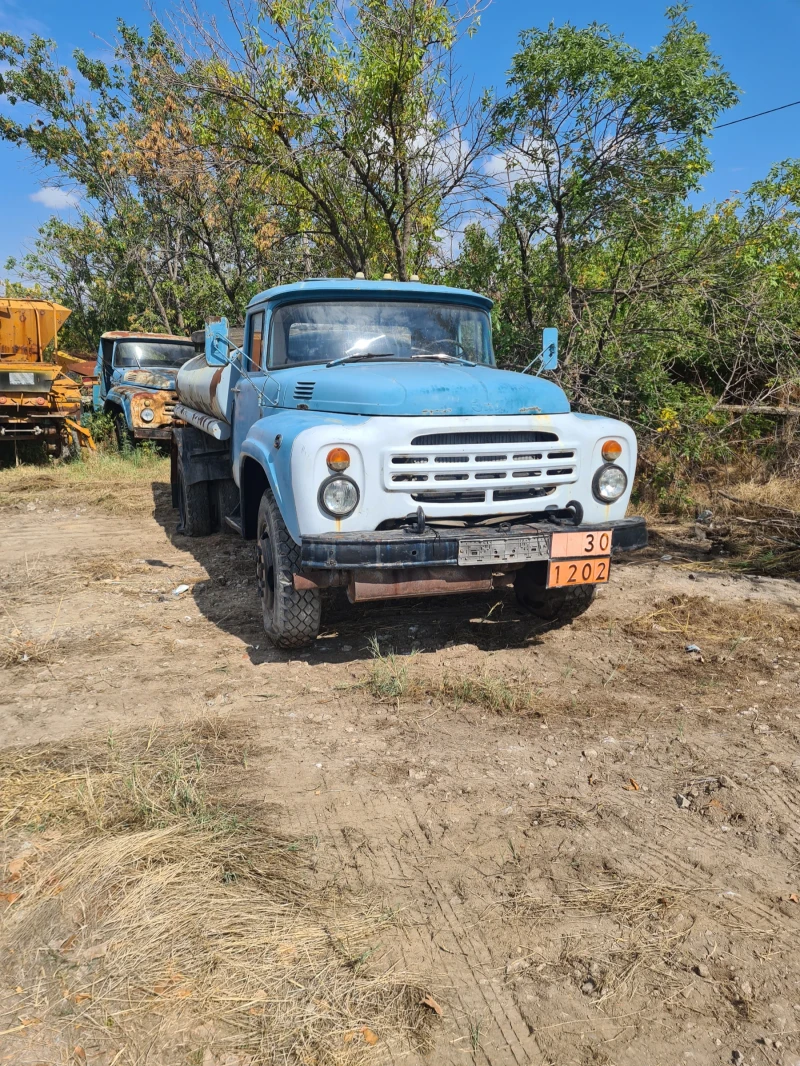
x: 38, y: 401
x: 363, y: 437
x: 136, y: 383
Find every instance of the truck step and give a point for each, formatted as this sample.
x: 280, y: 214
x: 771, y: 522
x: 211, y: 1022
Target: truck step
x: 234, y: 522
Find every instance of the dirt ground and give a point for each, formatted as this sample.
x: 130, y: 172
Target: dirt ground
x: 591, y: 835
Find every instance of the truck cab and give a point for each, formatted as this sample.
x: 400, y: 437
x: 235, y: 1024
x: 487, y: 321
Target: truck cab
x: 136, y: 383
x: 364, y: 437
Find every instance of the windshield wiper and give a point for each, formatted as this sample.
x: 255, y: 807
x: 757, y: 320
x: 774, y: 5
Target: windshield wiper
x: 442, y: 357
x: 366, y: 355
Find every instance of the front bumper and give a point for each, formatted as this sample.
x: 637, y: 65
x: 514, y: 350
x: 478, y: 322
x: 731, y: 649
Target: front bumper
x: 152, y: 432
x: 398, y: 549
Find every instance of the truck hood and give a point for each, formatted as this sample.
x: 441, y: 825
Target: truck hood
x: 420, y: 388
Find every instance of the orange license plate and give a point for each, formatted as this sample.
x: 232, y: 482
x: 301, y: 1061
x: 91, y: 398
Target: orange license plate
x: 580, y: 545
x: 561, y: 572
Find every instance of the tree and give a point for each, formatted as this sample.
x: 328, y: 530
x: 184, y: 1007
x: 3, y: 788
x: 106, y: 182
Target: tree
x: 356, y: 115
x: 183, y: 224
x: 596, y: 145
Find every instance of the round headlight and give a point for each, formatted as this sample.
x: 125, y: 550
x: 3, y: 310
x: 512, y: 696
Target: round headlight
x: 338, y: 496
x: 609, y: 483
x: 147, y: 414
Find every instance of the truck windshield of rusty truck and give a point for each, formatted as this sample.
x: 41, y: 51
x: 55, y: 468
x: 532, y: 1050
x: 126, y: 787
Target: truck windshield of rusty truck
x: 152, y: 353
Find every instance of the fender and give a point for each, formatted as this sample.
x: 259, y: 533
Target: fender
x: 270, y: 443
x: 120, y: 396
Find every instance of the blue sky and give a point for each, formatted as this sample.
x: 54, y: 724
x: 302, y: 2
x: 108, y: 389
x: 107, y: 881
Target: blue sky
x: 759, y: 44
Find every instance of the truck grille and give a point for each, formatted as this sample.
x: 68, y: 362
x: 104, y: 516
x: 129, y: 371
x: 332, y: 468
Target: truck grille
x: 470, y: 468
x: 498, y: 437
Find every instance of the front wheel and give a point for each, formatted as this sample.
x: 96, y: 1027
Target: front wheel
x: 125, y: 438
x: 291, y: 616
x: 557, y: 606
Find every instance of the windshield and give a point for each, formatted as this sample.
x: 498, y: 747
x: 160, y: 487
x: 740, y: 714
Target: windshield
x: 152, y: 353
x: 322, y: 331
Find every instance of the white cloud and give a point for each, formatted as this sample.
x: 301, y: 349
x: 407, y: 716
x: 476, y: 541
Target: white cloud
x: 56, y: 199
x: 516, y: 164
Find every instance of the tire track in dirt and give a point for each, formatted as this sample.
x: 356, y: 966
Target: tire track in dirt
x: 432, y: 931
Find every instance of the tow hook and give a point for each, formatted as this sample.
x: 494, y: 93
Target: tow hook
x: 416, y: 522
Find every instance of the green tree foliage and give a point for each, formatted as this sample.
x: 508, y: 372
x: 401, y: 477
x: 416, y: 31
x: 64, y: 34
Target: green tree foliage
x: 355, y: 116
x: 670, y: 314
x: 168, y: 226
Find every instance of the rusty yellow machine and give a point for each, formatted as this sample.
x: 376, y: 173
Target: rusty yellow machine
x: 39, y: 401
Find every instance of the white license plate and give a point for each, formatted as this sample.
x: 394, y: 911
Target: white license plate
x: 503, y: 550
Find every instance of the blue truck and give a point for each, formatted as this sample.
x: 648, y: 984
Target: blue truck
x: 363, y: 437
x: 136, y: 383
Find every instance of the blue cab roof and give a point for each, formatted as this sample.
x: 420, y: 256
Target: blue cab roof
x: 359, y: 288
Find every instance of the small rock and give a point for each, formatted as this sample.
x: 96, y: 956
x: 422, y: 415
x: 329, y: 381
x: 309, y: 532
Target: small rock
x: 737, y: 1058
x: 589, y: 753
x: 746, y: 989
x: 693, y: 648
x: 595, y: 971
x: 587, y: 988
x: 702, y: 970
x: 179, y: 591
x: 774, y: 769
x: 609, y: 740
x: 682, y: 801
x: 506, y: 811
x: 666, y: 558
x: 724, y: 781
x: 550, y: 763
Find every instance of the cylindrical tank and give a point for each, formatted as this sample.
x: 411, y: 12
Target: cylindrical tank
x: 205, y: 388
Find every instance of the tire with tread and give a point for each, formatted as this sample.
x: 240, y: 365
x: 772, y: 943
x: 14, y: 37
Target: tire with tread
x: 291, y: 616
x: 194, y: 507
x: 224, y: 501
x: 559, y: 606
x: 125, y: 438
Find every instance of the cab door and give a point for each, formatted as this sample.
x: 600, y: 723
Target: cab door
x: 248, y: 391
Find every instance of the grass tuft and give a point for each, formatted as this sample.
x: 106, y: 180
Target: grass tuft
x: 118, y: 483
x: 391, y: 677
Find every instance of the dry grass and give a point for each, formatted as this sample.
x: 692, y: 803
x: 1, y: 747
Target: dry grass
x: 159, y: 926
x: 774, y: 491
x: 697, y: 619
x: 118, y: 484
x: 393, y: 677
x: 631, y: 928
x: 19, y: 647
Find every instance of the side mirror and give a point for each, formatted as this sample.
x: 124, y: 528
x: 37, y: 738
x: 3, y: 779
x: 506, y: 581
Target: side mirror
x: 550, y: 348
x: 217, y: 342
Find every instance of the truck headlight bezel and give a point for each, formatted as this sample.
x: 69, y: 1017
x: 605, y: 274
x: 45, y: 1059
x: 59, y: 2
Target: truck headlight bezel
x: 145, y: 411
x: 326, y: 484
x: 607, y: 469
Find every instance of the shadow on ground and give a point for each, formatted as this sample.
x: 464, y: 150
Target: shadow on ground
x: 230, y: 600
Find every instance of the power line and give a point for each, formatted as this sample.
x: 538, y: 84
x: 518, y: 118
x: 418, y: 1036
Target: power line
x: 747, y: 118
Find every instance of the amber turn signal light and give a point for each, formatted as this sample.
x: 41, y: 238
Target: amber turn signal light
x: 338, y: 459
x: 611, y: 451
